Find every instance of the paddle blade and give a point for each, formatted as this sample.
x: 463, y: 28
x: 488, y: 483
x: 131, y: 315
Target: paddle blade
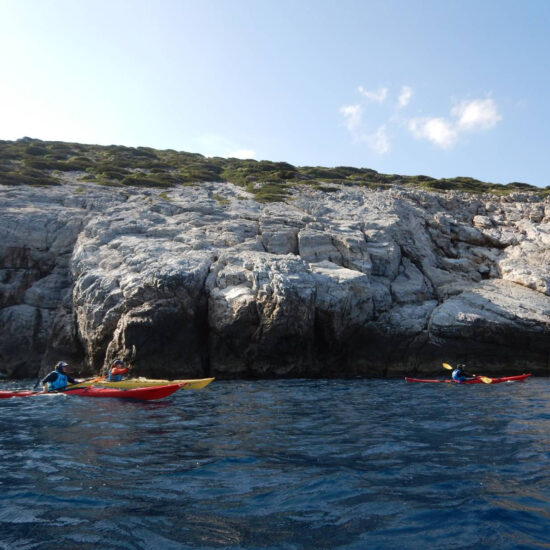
x: 447, y: 366
x: 485, y: 380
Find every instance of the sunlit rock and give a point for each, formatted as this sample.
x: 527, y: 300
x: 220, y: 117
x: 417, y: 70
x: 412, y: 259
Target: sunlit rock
x: 204, y: 280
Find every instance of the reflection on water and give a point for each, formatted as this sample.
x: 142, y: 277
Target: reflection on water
x: 280, y: 464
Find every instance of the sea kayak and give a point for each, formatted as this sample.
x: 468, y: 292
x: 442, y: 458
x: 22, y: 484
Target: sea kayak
x: 143, y: 394
x: 191, y: 384
x: 475, y: 381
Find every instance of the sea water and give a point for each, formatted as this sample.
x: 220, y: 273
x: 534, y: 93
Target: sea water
x: 280, y: 464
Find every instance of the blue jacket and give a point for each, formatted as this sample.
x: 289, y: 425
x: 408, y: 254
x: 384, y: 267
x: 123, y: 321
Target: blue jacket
x: 461, y: 376
x: 56, y: 380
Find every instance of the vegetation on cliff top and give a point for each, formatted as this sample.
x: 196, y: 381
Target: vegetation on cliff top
x: 36, y: 162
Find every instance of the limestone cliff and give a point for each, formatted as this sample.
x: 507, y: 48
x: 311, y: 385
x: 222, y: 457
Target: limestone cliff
x: 204, y: 280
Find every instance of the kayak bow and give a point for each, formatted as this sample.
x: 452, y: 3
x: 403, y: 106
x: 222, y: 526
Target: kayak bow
x: 476, y: 381
x: 143, y: 394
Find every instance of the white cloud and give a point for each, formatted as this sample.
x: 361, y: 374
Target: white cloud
x: 352, y: 116
x: 476, y: 114
x: 404, y: 97
x: 241, y: 154
x: 378, y: 96
x: 468, y: 116
x: 439, y: 131
x: 444, y: 132
x: 378, y: 141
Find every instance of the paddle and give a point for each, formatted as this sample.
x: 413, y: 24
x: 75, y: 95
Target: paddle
x: 132, y: 357
x: 95, y: 379
x: 484, y: 379
x: 76, y: 385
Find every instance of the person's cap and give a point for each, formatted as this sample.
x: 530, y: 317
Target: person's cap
x: 61, y: 365
x: 117, y: 362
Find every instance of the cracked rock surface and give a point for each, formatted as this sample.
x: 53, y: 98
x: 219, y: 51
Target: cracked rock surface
x: 204, y: 280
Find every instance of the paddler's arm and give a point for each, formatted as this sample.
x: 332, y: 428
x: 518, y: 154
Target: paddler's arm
x: 115, y: 370
x: 49, y: 378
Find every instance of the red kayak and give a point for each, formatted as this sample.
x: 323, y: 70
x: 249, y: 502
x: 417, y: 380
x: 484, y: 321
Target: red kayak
x: 476, y: 381
x: 143, y: 394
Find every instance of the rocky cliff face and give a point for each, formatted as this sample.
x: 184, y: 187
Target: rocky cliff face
x: 205, y: 280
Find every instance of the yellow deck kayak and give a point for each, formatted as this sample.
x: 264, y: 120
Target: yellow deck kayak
x: 191, y: 384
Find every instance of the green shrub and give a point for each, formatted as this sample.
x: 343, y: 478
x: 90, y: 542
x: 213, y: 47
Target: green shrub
x: 43, y: 163
x: 219, y: 199
x: 78, y: 164
x: 32, y: 160
x: 108, y: 183
x: 269, y: 192
x: 374, y: 184
x: 114, y: 173
x: 197, y: 175
x: 29, y: 176
x: 317, y: 172
x: 325, y: 188
x: 36, y: 150
x: 517, y: 185
x: 347, y: 171
x: 60, y: 148
x: 142, y: 180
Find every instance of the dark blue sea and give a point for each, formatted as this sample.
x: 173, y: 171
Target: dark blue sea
x: 378, y: 464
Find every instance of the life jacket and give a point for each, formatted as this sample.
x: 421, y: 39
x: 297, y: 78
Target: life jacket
x: 458, y: 376
x: 115, y: 374
x: 60, y: 382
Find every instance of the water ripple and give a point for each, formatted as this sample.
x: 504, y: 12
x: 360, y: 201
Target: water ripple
x: 280, y: 464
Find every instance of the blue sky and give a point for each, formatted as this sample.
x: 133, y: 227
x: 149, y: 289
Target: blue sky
x: 442, y: 88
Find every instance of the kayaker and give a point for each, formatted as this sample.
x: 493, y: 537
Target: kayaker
x: 117, y: 370
x: 58, y: 378
x: 460, y: 375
